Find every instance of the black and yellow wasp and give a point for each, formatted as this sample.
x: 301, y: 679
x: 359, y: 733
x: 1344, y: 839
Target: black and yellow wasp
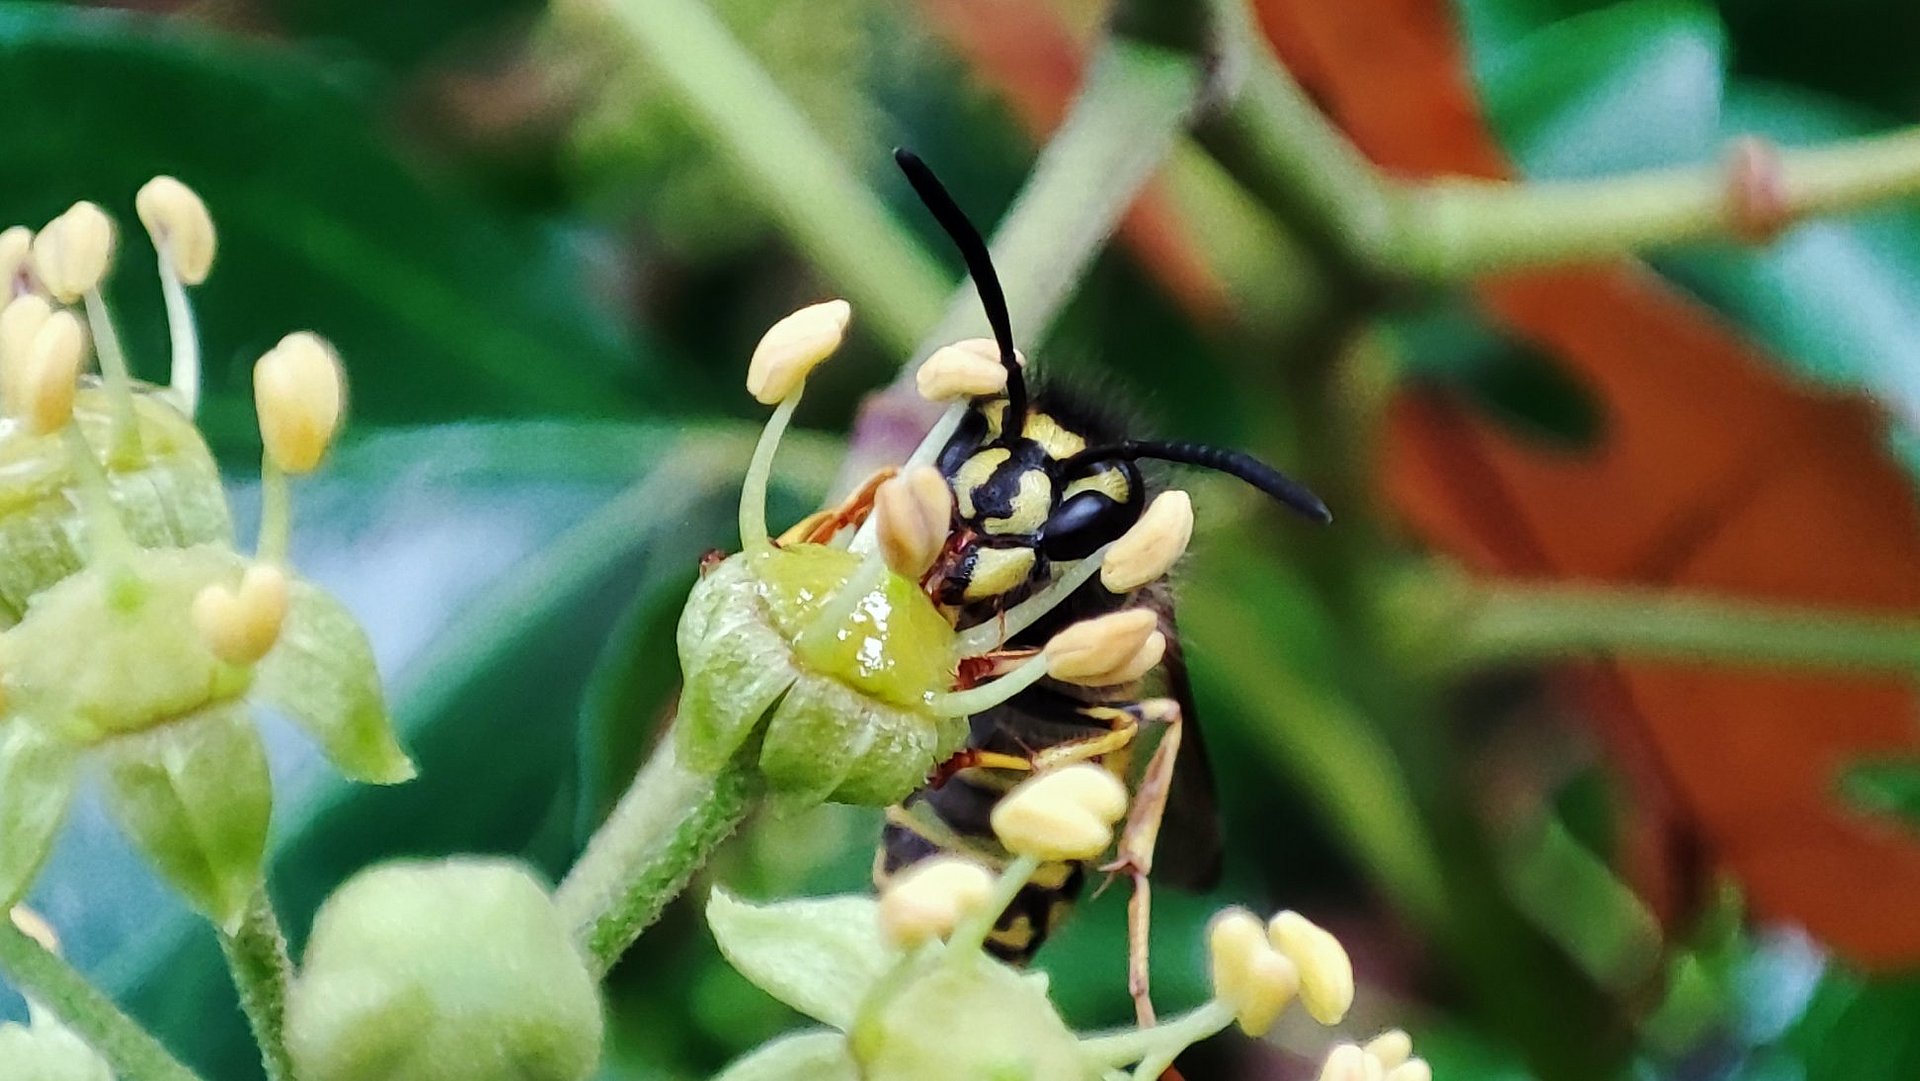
x: 1038, y: 483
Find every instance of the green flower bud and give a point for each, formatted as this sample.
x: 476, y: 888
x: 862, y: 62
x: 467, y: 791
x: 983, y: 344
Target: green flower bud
x: 458, y: 970
x: 906, y: 1030
x: 167, y: 493
x: 46, y: 1051
x: 836, y: 662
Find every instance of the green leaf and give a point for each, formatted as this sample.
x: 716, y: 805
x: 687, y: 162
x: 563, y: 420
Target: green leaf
x: 195, y: 797
x: 821, y: 955
x: 1890, y: 787
x: 37, y: 779
x: 803, y: 1056
x: 321, y: 673
x: 441, y: 307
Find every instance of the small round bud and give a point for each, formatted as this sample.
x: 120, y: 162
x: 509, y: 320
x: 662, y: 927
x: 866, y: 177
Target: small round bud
x: 1151, y: 548
x: 1116, y: 648
x: 20, y: 321
x: 928, y: 899
x: 49, y: 378
x: 1414, y: 1069
x: 1248, y: 976
x: 963, y: 370
x: 16, y: 262
x: 1391, y: 1047
x: 72, y: 253
x: 794, y: 347
x: 1326, y: 973
x: 181, y: 228
x: 241, y: 625
x: 912, y: 513
x: 1063, y: 814
x: 297, y: 391
x: 28, y: 922
x: 1348, y: 1062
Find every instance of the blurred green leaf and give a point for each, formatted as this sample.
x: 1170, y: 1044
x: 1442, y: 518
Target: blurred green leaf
x: 442, y: 307
x: 1889, y: 787
x: 1860, y: 1030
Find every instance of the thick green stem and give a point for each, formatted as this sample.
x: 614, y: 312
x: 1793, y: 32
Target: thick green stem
x: 256, y: 955
x: 1514, y: 622
x: 660, y: 833
x: 894, y: 285
x: 51, y: 982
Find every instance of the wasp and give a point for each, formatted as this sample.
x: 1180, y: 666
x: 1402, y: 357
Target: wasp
x: 1041, y: 482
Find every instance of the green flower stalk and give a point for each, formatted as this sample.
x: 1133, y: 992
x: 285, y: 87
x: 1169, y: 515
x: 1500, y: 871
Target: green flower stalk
x: 44, y: 1049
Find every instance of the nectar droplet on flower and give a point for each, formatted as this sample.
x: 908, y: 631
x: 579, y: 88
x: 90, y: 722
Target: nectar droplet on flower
x: 181, y: 228
x: 963, y: 370
x: 71, y: 255
x: 298, y: 392
x: 49, y: 378
x: 1064, y: 814
x: 1326, y: 973
x: 913, y: 513
x: 793, y: 347
x: 1151, y: 548
x: 16, y: 262
x: 1118, y: 647
x: 1391, y: 1047
x: 240, y: 625
x: 927, y: 900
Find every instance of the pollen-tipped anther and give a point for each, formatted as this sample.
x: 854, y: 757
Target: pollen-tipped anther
x: 1063, y: 814
x: 20, y: 322
x: 241, y: 624
x: 792, y: 348
x: 49, y: 376
x: 1326, y: 973
x: 1249, y: 976
x: 1391, y: 1047
x: 1348, y: 1062
x: 1151, y: 548
x: 1116, y: 648
x: 297, y: 391
x: 927, y: 900
x: 913, y: 512
x: 16, y: 262
x: 962, y: 371
x: 181, y: 228
x: 71, y: 255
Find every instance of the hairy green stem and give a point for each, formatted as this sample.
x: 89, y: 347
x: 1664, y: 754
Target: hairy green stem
x: 51, y: 982
x: 1515, y: 622
x: 894, y: 285
x: 660, y: 833
x: 256, y: 955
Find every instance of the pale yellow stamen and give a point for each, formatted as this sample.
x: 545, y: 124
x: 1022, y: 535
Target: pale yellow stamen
x: 1414, y: 1069
x: 1065, y: 814
x: 181, y: 228
x: 29, y: 923
x: 1348, y: 1062
x: 1151, y: 548
x: 961, y: 371
x: 1326, y: 973
x: 20, y: 322
x: 1119, y: 647
x: 49, y: 376
x: 1391, y: 1047
x: 793, y: 347
x: 71, y: 255
x: 1249, y: 977
x: 240, y: 625
x: 913, y: 512
x: 298, y: 391
x: 929, y: 899
x: 16, y: 262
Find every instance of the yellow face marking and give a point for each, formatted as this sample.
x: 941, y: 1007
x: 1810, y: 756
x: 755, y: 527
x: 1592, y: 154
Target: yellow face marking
x: 1111, y: 481
x: 1058, y: 441
x: 1015, y: 936
x: 1030, y: 506
x: 996, y: 414
x: 974, y: 472
x: 997, y: 571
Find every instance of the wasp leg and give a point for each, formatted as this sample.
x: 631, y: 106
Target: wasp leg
x: 1137, y: 841
x: 821, y: 526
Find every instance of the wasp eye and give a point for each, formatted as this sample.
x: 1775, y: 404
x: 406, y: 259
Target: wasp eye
x: 1082, y: 523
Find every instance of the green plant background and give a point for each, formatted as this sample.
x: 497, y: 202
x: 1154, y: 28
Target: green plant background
x: 546, y: 315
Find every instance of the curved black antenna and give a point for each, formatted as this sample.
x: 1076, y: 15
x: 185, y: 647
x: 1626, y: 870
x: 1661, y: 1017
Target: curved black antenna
x: 1232, y: 462
x: 973, y: 250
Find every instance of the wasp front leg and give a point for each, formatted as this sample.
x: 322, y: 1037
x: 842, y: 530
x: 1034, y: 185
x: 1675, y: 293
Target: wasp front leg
x: 1134, y: 858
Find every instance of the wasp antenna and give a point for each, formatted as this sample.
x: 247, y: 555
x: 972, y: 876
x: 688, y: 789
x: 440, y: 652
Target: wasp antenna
x: 1232, y: 462
x: 973, y: 250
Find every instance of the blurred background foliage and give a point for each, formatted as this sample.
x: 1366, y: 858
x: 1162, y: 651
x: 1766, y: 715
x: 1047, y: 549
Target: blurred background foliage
x: 545, y: 279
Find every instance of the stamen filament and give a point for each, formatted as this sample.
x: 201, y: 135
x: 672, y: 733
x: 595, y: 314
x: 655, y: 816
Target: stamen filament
x: 988, y: 695
x: 924, y: 454
x: 1155, y: 1048
x: 753, y: 491
x: 276, y: 513
x: 184, y: 381
x: 971, y: 933
x: 119, y: 381
x: 990, y: 635
x: 108, y: 542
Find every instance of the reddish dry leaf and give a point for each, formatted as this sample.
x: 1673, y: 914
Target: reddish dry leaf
x: 1716, y: 474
